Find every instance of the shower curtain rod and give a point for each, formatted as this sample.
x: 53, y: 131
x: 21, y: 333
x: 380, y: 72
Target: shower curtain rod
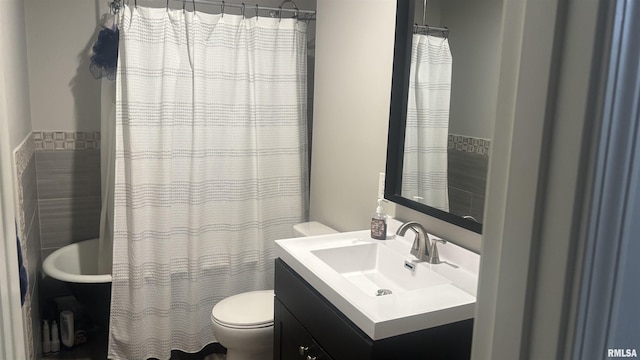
x: 416, y: 28
x: 424, y: 26
x: 309, y: 14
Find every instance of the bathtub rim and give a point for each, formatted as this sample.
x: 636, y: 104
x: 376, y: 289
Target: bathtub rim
x: 49, y: 268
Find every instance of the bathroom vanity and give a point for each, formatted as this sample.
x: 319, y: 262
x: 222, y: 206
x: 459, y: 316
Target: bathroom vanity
x: 326, y: 306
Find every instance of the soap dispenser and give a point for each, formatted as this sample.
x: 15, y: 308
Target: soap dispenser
x: 379, y: 223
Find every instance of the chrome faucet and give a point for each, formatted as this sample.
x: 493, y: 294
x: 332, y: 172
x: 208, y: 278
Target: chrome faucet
x: 422, y: 248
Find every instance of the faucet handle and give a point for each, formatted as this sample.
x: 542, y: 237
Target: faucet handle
x: 419, y: 248
x: 434, y: 257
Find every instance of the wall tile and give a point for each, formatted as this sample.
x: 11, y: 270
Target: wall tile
x: 468, y: 177
x: 34, y: 262
x: 28, y: 232
x: 44, y: 252
x: 68, y: 173
x: 65, y: 221
x: 36, y: 323
x: 65, y: 140
x: 477, y: 207
x: 29, y: 196
x: 469, y: 144
x: 27, y: 322
x: 468, y: 171
x: 459, y: 201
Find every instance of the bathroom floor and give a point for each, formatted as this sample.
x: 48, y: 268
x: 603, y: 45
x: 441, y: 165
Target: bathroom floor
x: 96, y: 349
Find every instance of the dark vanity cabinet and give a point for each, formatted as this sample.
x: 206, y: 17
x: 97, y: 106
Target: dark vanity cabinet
x: 308, y: 327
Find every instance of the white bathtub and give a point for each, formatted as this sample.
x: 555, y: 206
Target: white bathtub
x: 76, y: 263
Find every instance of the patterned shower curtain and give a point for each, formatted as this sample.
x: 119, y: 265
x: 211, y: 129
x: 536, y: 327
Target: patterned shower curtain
x: 210, y: 169
x: 424, y: 175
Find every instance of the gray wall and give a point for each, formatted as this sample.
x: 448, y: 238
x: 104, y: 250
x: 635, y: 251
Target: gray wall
x: 474, y: 39
x: 14, y: 67
x: 475, y: 48
x: 64, y: 95
x: 354, y: 57
x: 15, y: 111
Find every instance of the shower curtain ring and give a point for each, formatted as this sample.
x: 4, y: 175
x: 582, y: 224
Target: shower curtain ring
x: 193, y: 2
x: 183, y: 5
x: 257, y: 12
x: 222, y: 12
x: 243, y: 7
x: 280, y: 13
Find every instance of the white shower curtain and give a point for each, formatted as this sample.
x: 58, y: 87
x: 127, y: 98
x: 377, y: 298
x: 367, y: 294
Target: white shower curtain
x: 211, y: 167
x: 107, y: 166
x: 424, y: 175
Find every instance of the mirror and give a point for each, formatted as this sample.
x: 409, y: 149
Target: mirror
x: 443, y: 101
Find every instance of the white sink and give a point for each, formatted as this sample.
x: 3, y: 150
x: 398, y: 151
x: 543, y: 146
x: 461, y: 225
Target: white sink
x: 372, y: 267
x: 350, y: 268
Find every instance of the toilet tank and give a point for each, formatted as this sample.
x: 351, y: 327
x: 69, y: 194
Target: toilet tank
x: 311, y: 228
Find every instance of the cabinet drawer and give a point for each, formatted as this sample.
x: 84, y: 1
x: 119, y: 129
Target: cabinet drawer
x: 292, y: 341
x: 339, y: 337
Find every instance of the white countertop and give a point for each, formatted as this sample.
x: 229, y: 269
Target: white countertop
x: 397, y: 313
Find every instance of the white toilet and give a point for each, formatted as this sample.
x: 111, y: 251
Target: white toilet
x: 243, y: 323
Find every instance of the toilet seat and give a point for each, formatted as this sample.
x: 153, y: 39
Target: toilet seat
x: 248, y: 310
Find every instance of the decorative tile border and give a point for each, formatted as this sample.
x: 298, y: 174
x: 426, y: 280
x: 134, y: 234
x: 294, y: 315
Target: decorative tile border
x: 27, y: 320
x: 65, y: 140
x: 469, y: 144
x: 23, y: 154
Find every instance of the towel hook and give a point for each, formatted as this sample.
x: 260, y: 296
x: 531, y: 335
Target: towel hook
x: 295, y: 7
x: 289, y: 1
x: 114, y: 7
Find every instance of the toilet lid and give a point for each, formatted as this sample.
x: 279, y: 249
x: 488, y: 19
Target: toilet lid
x: 249, y: 309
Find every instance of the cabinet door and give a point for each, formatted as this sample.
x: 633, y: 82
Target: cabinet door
x: 291, y: 339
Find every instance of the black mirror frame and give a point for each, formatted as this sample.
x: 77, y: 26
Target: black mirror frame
x: 397, y: 121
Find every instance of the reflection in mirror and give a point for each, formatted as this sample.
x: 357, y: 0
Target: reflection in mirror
x: 443, y: 105
x: 424, y: 171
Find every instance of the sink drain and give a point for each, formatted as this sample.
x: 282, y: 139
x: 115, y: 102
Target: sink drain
x: 383, y: 292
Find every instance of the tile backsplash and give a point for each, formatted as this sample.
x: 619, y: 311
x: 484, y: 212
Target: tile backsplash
x: 66, y: 140
x: 28, y: 231
x: 68, y: 178
x: 468, y: 162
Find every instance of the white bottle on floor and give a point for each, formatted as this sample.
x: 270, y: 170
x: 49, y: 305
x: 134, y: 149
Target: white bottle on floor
x: 46, y: 337
x: 55, y: 339
x: 66, y: 328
